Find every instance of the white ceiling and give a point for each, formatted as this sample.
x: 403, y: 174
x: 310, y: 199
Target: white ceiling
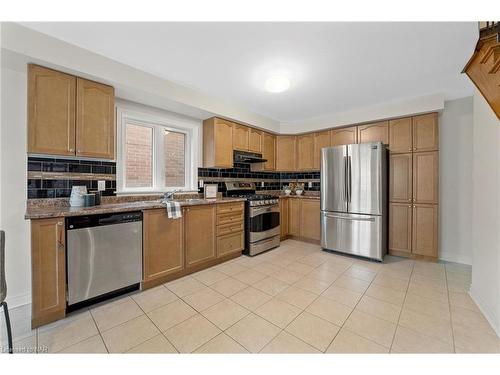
x: 334, y: 67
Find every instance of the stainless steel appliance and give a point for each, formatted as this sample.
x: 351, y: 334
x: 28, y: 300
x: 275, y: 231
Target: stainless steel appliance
x: 354, y: 199
x: 262, y: 217
x: 104, y: 255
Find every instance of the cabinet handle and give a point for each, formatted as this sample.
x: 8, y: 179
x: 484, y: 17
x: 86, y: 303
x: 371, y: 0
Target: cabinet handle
x: 414, y: 149
x: 409, y: 206
x: 71, y: 150
x: 60, y: 244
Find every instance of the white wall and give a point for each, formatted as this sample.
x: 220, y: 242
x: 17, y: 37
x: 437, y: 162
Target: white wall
x: 455, y: 181
x: 485, y: 288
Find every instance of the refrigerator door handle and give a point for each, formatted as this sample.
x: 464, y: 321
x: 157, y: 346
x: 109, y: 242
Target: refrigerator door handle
x: 346, y: 196
x: 350, y: 218
x: 349, y: 179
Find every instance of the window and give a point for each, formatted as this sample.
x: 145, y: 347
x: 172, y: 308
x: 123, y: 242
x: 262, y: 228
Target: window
x: 154, y: 155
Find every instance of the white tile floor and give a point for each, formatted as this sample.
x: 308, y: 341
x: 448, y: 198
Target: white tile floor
x: 294, y: 299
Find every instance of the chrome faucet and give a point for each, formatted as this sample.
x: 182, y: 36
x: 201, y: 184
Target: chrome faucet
x: 169, y: 195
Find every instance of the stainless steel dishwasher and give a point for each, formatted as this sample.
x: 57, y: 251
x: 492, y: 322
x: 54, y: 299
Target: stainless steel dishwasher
x: 104, y: 256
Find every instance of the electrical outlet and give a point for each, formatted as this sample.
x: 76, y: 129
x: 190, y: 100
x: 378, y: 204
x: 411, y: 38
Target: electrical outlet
x: 101, y: 185
x: 200, y: 183
x: 262, y: 184
x: 310, y: 184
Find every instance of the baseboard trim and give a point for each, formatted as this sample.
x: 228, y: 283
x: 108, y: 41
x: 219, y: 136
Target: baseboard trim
x: 19, y: 300
x: 485, y: 310
x: 449, y: 256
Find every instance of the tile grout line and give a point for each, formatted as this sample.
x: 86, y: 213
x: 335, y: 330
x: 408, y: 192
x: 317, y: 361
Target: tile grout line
x: 98, y: 330
x: 449, y: 307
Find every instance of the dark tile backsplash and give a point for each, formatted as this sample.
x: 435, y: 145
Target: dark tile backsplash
x: 61, y: 188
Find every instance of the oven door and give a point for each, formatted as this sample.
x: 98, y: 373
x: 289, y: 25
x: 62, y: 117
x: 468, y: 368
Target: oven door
x: 264, y: 222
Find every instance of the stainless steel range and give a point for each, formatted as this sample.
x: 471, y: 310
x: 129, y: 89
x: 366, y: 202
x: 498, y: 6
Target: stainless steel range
x: 262, y: 217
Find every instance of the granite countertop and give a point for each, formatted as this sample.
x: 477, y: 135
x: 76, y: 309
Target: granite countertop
x: 65, y: 211
x: 283, y: 196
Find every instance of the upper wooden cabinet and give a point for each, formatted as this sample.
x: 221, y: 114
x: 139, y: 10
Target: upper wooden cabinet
x: 51, y: 111
x: 95, y: 120
x: 268, y: 153
x: 217, y: 143
x: 425, y: 133
x: 199, y: 239
x: 321, y: 140
x: 376, y: 132
x: 400, y: 135
x: 425, y: 177
x: 163, y: 245
x: 310, y: 219
x: 255, y: 140
x: 305, y: 152
x: 69, y: 115
x: 48, y: 265
x: 286, y: 149
x: 344, y: 136
x: 241, y: 136
x: 400, y: 178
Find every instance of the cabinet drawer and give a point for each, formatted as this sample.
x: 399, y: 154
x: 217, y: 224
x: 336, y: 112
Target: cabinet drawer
x: 230, y: 244
x: 222, y: 230
x: 230, y: 218
x: 230, y: 207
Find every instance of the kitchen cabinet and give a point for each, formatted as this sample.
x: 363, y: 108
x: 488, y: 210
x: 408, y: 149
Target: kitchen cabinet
x: 425, y: 177
x: 69, y: 115
x: 269, y: 152
x: 230, y: 228
x: 309, y: 219
x: 199, y: 239
x: 344, y: 136
x: 305, y: 152
x: 286, y: 150
x: 400, y: 178
x: 376, y: 132
x: 95, y: 120
x: 283, y: 202
x: 48, y: 265
x: 163, y: 243
x: 255, y: 140
x: 241, y: 137
x: 425, y: 133
x: 425, y: 230
x: 321, y: 140
x: 51, y: 111
x: 217, y: 143
x: 294, y: 217
x: 400, y: 228
x: 401, y: 135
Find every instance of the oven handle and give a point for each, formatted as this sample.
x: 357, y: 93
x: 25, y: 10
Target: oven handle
x: 254, y: 211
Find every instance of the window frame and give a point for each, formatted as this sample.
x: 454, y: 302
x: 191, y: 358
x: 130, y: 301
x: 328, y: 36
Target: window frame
x: 159, y: 124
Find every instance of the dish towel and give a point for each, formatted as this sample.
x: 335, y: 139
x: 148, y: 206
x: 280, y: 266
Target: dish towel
x: 174, y: 210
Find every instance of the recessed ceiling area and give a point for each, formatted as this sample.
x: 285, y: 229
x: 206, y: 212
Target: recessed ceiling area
x: 328, y: 68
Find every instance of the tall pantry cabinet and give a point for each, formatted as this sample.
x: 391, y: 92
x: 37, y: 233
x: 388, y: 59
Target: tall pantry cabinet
x: 414, y: 186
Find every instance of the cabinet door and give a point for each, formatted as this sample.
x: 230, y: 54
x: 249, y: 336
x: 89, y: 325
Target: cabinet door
x: 294, y: 217
x: 163, y: 244
x: 376, y: 132
x: 284, y: 217
x: 305, y: 152
x: 310, y: 219
x: 425, y: 177
x: 48, y: 269
x: 345, y: 136
x: 425, y: 132
x: 230, y: 244
x: 95, y: 120
x: 321, y: 140
x: 255, y: 141
x: 241, y: 135
x: 223, y: 145
x: 400, y: 216
x: 51, y: 111
x: 285, y: 152
x: 269, y: 152
x: 400, y: 135
x: 425, y: 230
x: 199, y: 224
x: 400, y: 178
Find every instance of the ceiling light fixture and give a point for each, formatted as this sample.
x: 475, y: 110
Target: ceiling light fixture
x: 277, y: 83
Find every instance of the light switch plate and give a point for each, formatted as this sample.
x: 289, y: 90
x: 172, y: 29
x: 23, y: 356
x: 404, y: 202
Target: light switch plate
x: 310, y: 184
x: 200, y: 183
x: 262, y: 184
x: 101, y: 185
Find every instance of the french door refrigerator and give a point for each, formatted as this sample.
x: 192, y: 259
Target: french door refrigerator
x: 354, y: 199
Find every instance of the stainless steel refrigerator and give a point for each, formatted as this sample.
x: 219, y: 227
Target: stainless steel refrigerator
x: 354, y: 199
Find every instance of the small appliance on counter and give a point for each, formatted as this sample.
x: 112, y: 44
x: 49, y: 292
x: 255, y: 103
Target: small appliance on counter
x: 76, y: 199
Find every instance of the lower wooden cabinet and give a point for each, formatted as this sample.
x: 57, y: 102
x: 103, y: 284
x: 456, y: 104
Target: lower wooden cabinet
x: 400, y: 217
x: 294, y: 217
x: 48, y: 265
x: 163, y: 245
x: 310, y: 219
x: 425, y: 230
x: 199, y: 238
x: 230, y: 228
x: 230, y: 243
x: 284, y: 217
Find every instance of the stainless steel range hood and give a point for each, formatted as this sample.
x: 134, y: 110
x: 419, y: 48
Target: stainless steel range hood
x: 248, y: 157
